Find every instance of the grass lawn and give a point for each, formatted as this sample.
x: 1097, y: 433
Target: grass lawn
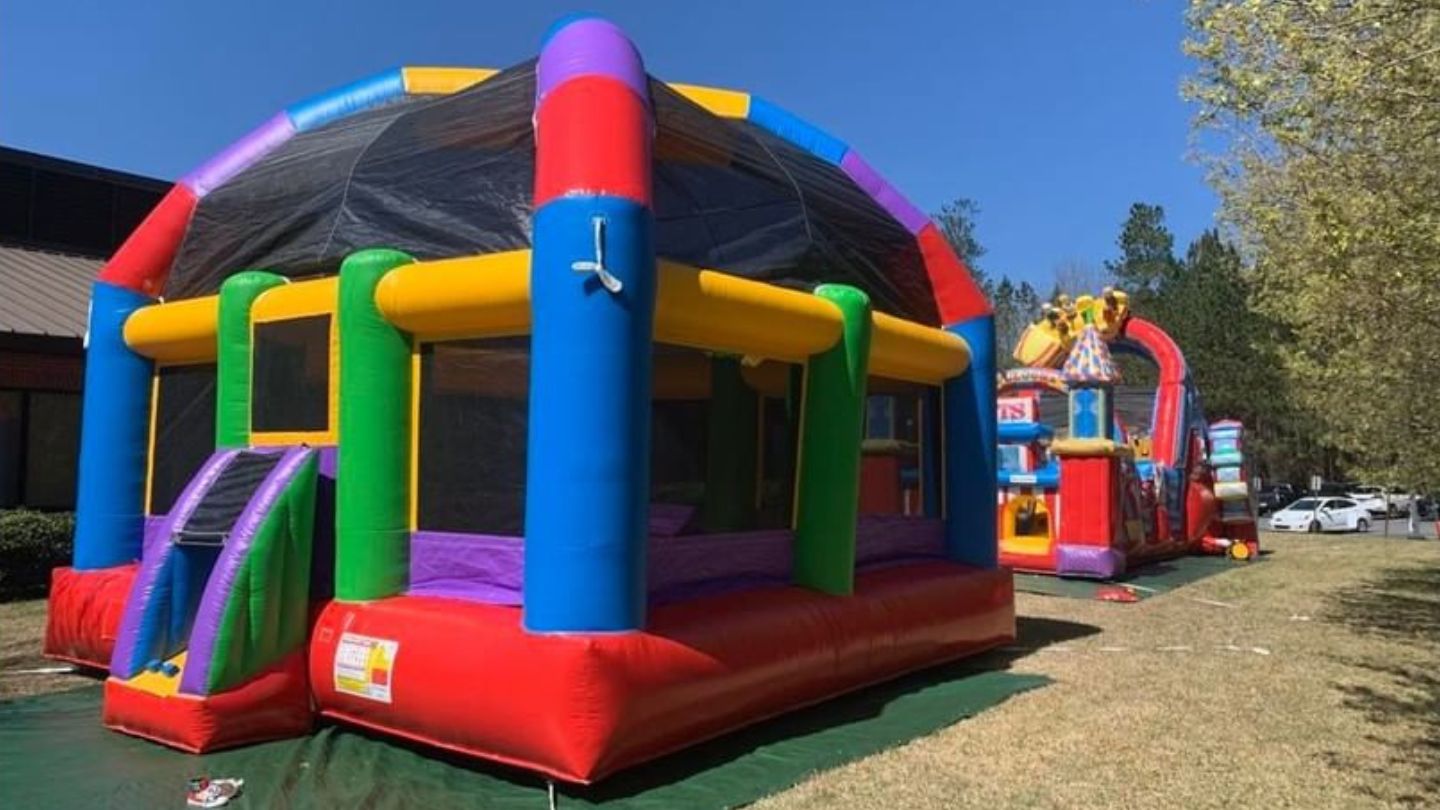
x: 22, y: 631
x: 1310, y: 680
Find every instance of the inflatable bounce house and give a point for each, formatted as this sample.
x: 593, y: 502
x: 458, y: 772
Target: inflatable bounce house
x: 522, y: 413
x: 1088, y: 495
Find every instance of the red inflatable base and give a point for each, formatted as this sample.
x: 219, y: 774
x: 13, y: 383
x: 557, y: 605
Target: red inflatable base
x: 84, y: 613
x: 1030, y: 563
x: 464, y: 676
x: 272, y: 705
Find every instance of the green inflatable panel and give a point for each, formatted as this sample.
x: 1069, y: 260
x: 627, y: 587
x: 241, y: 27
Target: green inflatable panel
x: 829, y: 479
x: 232, y: 353
x: 372, y: 502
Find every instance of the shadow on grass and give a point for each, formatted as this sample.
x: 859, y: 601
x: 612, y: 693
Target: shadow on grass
x: 1400, y: 605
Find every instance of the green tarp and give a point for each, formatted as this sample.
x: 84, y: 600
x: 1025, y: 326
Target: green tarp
x: 54, y: 753
x: 1142, y: 583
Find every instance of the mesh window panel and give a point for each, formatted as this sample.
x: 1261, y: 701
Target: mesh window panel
x: 291, y: 375
x: 678, y: 445
x: 184, y: 431
x: 679, y: 425
x: 474, y: 421
x: 11, y: 405
x: 890, y: 473
x: 780, y: 437
x: 52, y: 450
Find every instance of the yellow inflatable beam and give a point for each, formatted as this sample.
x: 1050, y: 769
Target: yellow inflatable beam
x: 1091, y: 447
x: 706, y: 309
x: 703, y: 309
x: 299, y: 299
x: 459, y: 298
x: 905, y: 350
x: 490, y: 295
x: 442, y: 81
x: 177, y: 333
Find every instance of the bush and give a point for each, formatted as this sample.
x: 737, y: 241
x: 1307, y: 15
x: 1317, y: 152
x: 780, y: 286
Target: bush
x: 32, y: 543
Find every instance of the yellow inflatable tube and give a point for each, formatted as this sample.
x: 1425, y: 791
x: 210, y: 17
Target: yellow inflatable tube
x: 176, y: 333
x: 905, y: 350
x: 705, y: 309
x: 458, y: 298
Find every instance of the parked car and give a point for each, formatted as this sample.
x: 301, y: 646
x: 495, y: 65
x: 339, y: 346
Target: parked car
x: 1375, y: 500
x: 1370, y: 497
x: 1320, y: 514
x: 1274, y: 497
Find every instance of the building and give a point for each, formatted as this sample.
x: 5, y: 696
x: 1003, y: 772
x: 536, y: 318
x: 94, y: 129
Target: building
x: 59, y: 220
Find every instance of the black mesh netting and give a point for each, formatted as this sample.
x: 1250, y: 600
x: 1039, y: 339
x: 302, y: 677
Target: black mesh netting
x: 474, y: 419
x: 453, y: 176
x: 215, y: 515
x: 184, y: 431
x: 473, y: 428
x: 291, y: 375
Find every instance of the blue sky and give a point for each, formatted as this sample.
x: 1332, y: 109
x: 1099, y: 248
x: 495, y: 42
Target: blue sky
x: 1053, y: 115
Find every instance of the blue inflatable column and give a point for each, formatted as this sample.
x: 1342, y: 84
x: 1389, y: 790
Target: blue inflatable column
x: 970, y: 450
x: 592, y: 287
x: 114, y: 436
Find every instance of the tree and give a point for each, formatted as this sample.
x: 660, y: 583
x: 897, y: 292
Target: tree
x: 1015, y: 306
x: 956, y: 221
x: 1147, y: 251
x: 1327, y: 116
x: 1077, y: 276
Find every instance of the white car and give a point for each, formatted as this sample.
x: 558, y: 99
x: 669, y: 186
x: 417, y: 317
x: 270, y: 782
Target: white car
x: 1320, y: 514
x: 1374, y: 499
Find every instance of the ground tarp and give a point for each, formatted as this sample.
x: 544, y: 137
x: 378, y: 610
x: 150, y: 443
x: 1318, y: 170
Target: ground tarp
x: 54, y: 753
x: 1142, y: 583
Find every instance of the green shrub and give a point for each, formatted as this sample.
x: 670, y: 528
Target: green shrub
x: 32, y: 543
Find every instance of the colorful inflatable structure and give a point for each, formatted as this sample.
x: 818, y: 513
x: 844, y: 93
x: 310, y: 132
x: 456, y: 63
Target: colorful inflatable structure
x: 519, y: 413
x: 1097, y: 496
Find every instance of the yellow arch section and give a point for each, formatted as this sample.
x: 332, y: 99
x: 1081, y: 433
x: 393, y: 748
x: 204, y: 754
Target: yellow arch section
x: 446, y: 80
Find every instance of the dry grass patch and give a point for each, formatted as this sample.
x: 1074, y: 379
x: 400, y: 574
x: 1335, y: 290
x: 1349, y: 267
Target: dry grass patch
x: 1316, y: 685
x: 22, y: 630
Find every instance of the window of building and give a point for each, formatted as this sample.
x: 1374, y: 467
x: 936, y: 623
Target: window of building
x: 12, y: 446
x: 39, y: 448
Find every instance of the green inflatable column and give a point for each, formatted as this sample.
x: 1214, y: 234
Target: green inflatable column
x: 829, y: 477
x: 372, y: 496
x: 729, y: 504
x: 232, y: 355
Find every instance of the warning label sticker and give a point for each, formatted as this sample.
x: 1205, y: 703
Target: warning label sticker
x: 363, y: 666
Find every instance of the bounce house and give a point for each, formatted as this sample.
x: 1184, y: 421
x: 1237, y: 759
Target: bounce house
x: 522, y: 413
x: 1090, y: 494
